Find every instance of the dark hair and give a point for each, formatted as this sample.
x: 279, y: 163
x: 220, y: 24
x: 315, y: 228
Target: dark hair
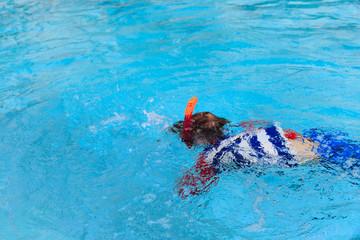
x: 206, y: 128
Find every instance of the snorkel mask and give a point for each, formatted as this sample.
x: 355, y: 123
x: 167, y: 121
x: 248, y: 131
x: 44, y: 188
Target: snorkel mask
x: 187, y: 125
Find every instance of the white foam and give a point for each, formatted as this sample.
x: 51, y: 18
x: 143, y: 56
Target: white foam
x: 93, y: 129
x: 259, y: 225
x: 164, y: 222
x: 118, y: 118
x: 154, y: 119
x: 149, y: 198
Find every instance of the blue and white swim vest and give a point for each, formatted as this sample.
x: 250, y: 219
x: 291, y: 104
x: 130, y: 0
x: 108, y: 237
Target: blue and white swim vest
x: 267, y: 146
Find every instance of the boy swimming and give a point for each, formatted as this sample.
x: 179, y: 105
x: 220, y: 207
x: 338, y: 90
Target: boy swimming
x: 261, y: 143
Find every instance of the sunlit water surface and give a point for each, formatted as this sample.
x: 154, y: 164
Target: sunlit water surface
x: 88, y: 89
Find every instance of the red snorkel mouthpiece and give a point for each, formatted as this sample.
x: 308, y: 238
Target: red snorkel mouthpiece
x: 187, y: 125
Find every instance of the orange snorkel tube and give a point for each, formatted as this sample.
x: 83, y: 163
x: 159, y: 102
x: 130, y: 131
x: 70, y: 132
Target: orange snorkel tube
x: 187, y: 125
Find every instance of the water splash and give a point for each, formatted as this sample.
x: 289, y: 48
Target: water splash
x: 155, y: 119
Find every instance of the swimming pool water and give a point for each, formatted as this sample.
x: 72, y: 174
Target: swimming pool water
x: 88, y: 89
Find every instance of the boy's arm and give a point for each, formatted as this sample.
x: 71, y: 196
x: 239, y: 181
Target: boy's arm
x: 197, y: 180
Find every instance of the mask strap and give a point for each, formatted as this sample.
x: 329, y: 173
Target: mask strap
x: 187, y: 125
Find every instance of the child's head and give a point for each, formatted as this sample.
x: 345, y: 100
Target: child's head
x: 206, y: 128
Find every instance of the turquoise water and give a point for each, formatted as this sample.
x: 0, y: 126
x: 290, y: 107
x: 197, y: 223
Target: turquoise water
x: 88, y: 89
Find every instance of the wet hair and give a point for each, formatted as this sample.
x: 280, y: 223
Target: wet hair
x: 206, y: 128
